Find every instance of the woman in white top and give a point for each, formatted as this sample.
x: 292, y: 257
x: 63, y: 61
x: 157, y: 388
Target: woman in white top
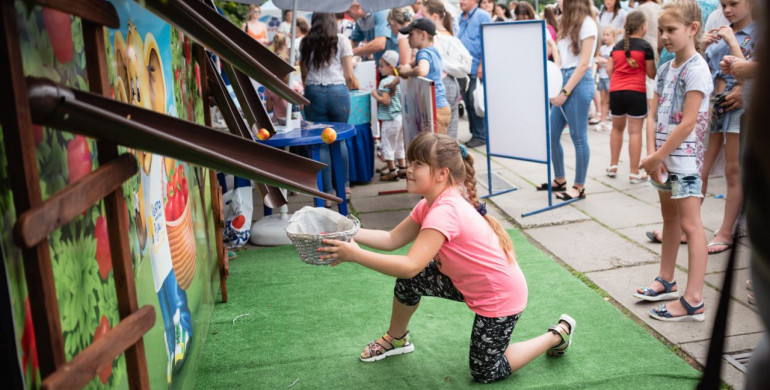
x: 455, y: 58
x: 577, y: 44
x: 327, y: 71
x: 613, y: 15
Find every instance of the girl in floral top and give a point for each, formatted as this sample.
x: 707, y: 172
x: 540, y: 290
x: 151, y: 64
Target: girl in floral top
x: 674, y: 164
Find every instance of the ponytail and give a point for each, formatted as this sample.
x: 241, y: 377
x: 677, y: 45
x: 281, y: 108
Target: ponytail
x: 470, y: 189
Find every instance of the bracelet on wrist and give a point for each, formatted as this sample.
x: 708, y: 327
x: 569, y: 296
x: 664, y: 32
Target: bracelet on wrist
x: 565, y: 92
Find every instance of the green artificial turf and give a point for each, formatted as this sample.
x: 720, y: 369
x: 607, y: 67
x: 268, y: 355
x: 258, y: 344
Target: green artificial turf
x: 308, y: 324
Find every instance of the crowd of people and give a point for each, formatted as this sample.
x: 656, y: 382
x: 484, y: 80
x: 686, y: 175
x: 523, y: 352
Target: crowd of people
x: 684, y: 67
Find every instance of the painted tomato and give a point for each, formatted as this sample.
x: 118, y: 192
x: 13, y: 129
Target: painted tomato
x: 103, y: 257
x: 78, y: 158
x: 104, y: 327
x: 59, y: 28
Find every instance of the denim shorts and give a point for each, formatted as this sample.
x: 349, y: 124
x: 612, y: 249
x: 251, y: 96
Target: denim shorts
x: 681, y: 185
x: 603, y: 84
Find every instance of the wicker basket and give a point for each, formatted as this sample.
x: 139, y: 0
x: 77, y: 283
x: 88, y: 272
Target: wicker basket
x: 305, y: 228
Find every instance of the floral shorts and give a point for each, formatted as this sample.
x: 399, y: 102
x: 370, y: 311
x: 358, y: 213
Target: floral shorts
x: 681, y: 185
x: 490, y: 335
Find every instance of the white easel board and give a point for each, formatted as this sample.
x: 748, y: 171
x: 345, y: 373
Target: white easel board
x: 515, y: 87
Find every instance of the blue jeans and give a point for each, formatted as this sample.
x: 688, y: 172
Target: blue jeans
x: 329, y: 103
x: 575, y: 114
x: 475, y: 122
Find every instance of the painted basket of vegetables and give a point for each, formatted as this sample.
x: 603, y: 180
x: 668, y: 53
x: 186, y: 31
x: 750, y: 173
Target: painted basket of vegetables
x: 181, y: 239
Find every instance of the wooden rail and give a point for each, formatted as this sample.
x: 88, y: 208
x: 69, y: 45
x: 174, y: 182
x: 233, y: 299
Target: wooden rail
x: 35, y: 224
x: 76, y: 373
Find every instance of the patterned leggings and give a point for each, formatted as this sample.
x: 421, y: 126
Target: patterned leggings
x: 490, y: 335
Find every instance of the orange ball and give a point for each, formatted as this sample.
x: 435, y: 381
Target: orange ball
x: 263, y: 134
x: 328, y: 135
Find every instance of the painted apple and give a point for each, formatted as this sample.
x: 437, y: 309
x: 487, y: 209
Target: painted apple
x: 328, y: 135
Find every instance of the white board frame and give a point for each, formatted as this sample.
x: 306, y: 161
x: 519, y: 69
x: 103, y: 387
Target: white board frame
x: 516, y: 101
x: 516, y: 97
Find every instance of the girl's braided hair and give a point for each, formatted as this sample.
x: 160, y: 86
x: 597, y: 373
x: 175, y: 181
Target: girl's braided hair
x: 634, y: 21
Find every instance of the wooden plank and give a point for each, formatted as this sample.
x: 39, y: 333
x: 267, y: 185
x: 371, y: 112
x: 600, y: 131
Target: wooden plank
x: 84, y: 367
x: 216, y: 204
x: 97, y: 11
x: 34, y: 225
x: 115, y: 210
x: 25, y: 183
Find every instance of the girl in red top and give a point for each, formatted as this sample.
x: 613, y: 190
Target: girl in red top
x: 631, y: 59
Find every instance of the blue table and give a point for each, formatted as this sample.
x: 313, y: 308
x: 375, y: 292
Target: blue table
x: 312, y: 139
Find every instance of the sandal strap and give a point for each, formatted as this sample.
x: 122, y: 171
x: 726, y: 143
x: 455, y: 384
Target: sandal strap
x: 561, y: 332
x: 689, y: 308
x: 667, y: 285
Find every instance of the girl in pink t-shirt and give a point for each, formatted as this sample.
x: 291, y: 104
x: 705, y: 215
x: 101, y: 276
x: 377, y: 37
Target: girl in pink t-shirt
x: 459, y: 253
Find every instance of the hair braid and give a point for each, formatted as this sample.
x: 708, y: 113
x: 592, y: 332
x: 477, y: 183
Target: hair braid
x: 634, y: 23
x: 470, y: 189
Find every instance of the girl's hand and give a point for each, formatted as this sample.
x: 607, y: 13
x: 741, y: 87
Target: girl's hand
x: 727, y: 33
x: 652, y: 164
x: 727, y: 63
x: 709, y: 38
x: 559, y: 100
x: 657, y: 175
x: 734, y: 99
x: 339, y: 250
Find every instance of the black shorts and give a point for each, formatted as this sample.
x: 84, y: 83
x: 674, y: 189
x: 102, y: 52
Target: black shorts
x: 628, y: 103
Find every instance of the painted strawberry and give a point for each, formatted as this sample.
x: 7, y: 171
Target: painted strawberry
x: 28, y: 344
x: 239, y: 221
x: 78, y: 158
x: 106, y: 371
x: 59, y: 28
x: 103, y: 257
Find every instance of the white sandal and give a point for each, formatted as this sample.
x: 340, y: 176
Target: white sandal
x: 637, y: 178
x: 612, y: 171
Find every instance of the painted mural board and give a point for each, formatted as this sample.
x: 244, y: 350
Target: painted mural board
x: 169, y: 203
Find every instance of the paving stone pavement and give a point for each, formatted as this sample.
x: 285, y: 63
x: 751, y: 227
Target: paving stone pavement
x: 601, y: 236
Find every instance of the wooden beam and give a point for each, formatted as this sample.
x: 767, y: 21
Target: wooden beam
x: 98, y: 11
x: 84, y: 367
x: 115, y: 208
x: 219, y: 220
x: 37, y: 223
x: 25, y: 182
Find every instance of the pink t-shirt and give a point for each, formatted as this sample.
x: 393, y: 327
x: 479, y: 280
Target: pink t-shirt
x: 472, y: 257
